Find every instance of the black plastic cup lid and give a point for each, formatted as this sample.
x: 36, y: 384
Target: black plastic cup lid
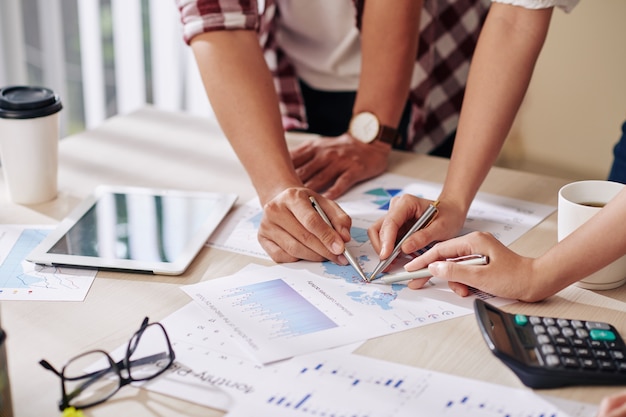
x: 27, y: 102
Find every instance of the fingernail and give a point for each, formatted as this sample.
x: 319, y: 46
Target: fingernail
x: 435, y: 268
x: 336, y: 248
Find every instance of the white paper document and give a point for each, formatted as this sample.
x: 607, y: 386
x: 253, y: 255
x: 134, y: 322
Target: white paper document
x: 348, y: 385
x: 275, y: 341
x: 278, y: 312
x: 333, y: 381
x: 23, y: 280
x: 210, y: 369
x: 506, y: 218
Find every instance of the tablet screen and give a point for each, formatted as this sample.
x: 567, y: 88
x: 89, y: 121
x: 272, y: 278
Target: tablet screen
x: 135, y: 228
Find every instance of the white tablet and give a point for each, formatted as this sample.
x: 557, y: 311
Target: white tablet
x: 135, y: 229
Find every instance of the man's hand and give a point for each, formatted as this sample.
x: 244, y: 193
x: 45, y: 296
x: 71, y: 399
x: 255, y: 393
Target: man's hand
x: 332, y: 165
x: 291, y: 229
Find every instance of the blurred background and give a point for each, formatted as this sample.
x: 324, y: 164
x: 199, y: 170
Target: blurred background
x: 103, y: 57
x: 572, y: 114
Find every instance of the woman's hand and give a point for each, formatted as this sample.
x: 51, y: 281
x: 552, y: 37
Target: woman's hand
x: 403, y: 212
x: 507, y: 275
x: 613, y: 406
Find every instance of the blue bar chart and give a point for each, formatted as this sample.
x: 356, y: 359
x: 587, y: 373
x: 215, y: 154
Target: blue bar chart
x: 356, y: 386
x: 275, y: 302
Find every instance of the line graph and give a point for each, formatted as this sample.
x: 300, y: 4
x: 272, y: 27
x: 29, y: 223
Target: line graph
x: 23, y: 280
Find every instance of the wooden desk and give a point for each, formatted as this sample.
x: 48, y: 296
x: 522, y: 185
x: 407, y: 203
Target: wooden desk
x: 162, y: 149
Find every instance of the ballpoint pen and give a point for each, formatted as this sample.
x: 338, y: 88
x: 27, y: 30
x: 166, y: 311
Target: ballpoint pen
x: 421, y: 223
x: 351, y: 259
x: 424, y: 273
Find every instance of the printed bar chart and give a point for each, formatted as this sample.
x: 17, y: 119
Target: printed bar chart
x: 275, y: 301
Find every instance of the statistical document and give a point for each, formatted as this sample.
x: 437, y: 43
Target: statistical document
x: 278, y: 312
x: 23, y: 280
x: 348, y: 385
x: 506, y: 218
x: 333, y: 381
x: 210, y: 369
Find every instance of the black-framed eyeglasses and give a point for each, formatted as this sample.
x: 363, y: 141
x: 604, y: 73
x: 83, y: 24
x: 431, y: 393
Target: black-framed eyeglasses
x: 93, y: 377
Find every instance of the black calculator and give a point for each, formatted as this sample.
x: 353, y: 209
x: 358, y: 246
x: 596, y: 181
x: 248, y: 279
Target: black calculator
x: 550, y: 352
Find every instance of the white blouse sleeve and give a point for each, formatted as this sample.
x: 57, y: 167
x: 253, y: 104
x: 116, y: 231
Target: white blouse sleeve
x: 566, y: 5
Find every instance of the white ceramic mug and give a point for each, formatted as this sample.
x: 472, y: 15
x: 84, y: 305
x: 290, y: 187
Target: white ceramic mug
x: 29, y: 138
x: 578, y: 202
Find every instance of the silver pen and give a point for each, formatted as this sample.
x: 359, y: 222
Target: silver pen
x: 421, y: 223
x: 424, y: 273
x: 351, y: 259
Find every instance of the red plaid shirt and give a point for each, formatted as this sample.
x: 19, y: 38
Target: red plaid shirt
x: 448, y: 34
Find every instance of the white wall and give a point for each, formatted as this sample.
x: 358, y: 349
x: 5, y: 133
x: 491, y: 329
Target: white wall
x: 573, y: 111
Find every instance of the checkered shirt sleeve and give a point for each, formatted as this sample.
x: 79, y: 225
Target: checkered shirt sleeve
x: 448, y: 34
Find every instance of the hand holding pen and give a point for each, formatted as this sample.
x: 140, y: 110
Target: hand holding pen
x: 474, y: 259
x: 424, y: 220
x: 351, y: 259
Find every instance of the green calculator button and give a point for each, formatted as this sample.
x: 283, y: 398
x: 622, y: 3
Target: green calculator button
x: 603, y: 335
x: 521, y: 320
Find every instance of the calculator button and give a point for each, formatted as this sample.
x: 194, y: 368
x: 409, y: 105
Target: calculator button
x: 621, y: 366
x: 570, y: 362
x: 549, y: 321
x: 576, y: 323
x: 567, y: 351
x: 579, y: 342
x: 601, y: 354
x: 567, y: 332
x: 584, y: 353
x: 562, y: 322
x: 596, y: 344
x: 589, y: 363
x: 582, y: 333
x: 553, y: 331
x: 521, y: 319
x: 539, y: 329
x: 597, y: 325
x: 561, y: 341
x: 542, y: 339
x: 617, y: 355
x: 606, y: 365
x: 552, y: 360
x: 600, y: 334
x: 547, y: 349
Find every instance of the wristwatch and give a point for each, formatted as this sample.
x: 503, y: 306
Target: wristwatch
x: 366, y: 127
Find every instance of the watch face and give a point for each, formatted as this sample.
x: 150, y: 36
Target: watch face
x: 364, y: 127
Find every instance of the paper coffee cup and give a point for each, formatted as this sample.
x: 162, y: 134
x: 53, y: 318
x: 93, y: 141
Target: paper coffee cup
x: 578, y: 202
x: 29, y: 138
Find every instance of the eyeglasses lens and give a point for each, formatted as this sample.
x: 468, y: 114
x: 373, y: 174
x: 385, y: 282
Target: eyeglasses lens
x: 89, y: 379
x: 148, y: 353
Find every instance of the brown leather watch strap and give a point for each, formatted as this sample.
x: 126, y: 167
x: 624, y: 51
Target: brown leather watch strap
x: 387, y: 134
